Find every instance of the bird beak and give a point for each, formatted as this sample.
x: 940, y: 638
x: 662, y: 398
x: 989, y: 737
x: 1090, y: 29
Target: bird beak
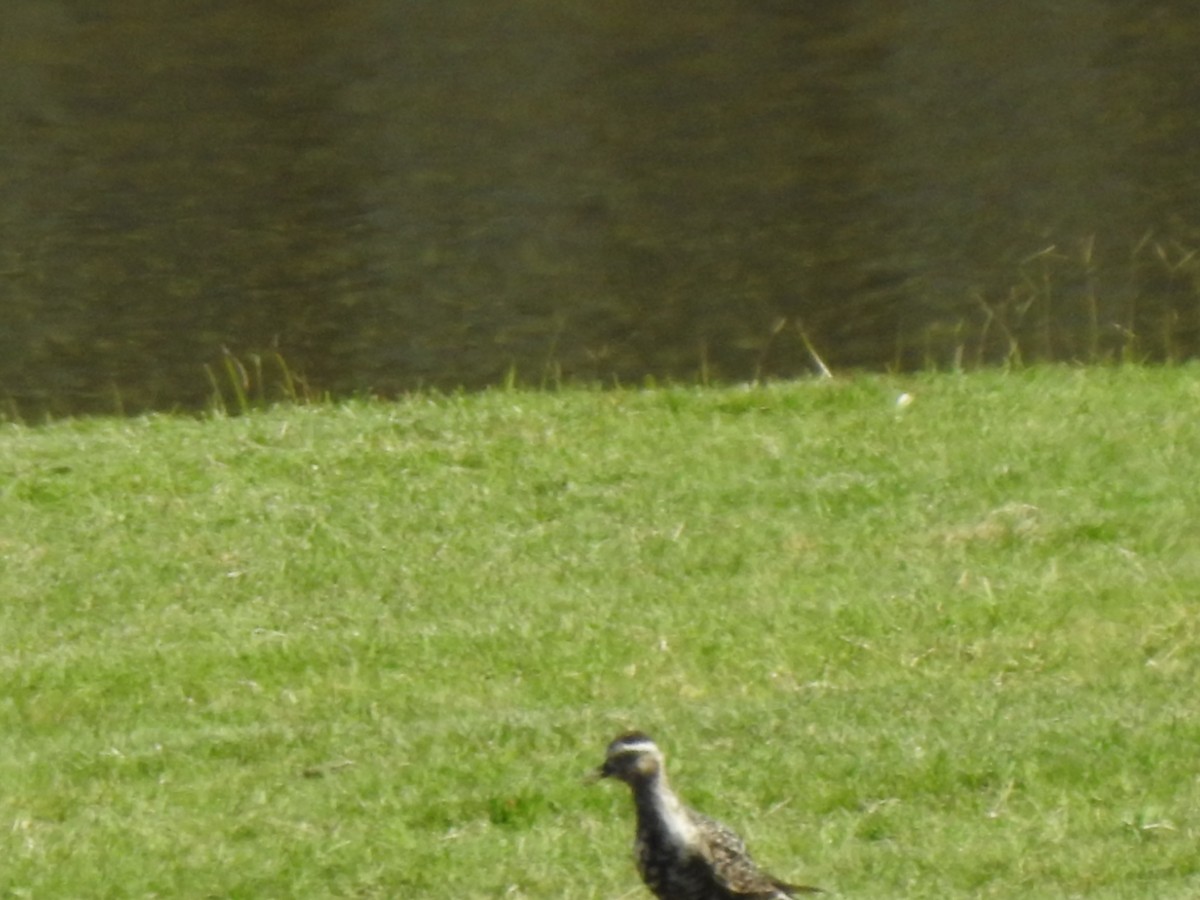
x: 595, y: 775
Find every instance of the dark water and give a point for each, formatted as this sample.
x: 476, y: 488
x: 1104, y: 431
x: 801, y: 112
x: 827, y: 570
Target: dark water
x: 395, y: 193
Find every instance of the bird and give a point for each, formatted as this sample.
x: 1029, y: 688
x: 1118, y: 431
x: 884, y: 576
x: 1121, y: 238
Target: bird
x: 682, y: 854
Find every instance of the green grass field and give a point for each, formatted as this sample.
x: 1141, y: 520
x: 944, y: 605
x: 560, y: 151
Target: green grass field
x: 941, y: 650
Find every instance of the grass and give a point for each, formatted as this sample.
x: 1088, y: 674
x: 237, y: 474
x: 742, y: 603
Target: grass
x: 948, y: 649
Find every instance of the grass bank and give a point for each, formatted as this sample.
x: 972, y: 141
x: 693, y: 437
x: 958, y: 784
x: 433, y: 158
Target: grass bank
x: 942, y: 649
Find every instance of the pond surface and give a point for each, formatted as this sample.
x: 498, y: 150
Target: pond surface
x: 436, y: 193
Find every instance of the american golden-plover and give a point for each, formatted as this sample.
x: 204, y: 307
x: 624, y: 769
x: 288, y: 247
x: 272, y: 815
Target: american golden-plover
x: 681, y: 854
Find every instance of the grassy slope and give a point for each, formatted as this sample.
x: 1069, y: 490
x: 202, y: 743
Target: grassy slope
x: 942, y: 651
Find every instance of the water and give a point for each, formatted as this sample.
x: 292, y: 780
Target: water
x: 396, y: 194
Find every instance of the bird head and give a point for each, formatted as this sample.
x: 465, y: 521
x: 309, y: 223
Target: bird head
x: 632, y: 758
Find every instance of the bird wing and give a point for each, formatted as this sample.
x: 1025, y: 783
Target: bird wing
x: 735, y: 870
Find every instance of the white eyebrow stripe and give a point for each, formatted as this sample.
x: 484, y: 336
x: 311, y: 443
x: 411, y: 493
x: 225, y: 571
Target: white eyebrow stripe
x: 636, y: 747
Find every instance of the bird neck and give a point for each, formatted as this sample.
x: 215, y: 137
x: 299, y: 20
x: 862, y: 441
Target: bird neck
x: 659, y: 810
